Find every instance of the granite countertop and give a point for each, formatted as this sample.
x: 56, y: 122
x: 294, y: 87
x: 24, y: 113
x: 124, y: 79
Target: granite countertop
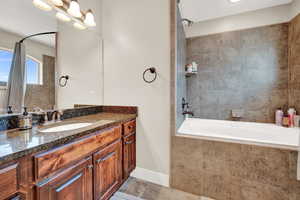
x: 15, y: 144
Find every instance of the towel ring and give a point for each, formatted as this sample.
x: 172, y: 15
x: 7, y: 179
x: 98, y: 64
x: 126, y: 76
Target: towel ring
x: 66, y: 78
x: 152, y: 70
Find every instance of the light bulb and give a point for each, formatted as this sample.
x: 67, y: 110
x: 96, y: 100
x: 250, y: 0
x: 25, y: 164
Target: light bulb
x: 42, y: 5
x: 62, y: 17
x: 57, y: 2
x: 74, y: 9
x: 89, y: 18
x: 79, y: 26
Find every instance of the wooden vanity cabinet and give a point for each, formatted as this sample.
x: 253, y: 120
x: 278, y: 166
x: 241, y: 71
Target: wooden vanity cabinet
x: 129, y: 155
x: 8, y: 181
x: 107, y: 170
x: 129, y: 128
x: 89, y: 168
x: 72, y: 183
x: 16, y: 197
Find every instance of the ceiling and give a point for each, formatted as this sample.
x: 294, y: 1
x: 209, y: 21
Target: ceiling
x: 21, y: 17
x: 197, y: 10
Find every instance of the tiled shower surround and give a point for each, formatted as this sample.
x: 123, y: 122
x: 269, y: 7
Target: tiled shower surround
x: 227, y: 171
x: 245, y: 69
x: 294, y: 62
x: 43, y: 96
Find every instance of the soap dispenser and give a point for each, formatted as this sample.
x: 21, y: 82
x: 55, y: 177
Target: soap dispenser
x: 9, y: 110
x: 25, y: 120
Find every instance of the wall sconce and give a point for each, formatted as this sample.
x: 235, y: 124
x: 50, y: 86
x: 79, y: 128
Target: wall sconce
x: 57, y: 2
x: 74, y: 9
x: 89, y: 19
x: 42, y: 5
x: 79, y: 26
x: 62, y: 17
x: 68, y: 11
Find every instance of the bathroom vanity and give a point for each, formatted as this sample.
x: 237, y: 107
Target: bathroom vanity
x: 84, y: 164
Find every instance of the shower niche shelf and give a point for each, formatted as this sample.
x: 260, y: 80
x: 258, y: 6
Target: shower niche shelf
x: 189, y: 74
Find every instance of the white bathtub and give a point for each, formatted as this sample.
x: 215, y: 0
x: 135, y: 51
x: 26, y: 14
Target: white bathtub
x: 261, y: 134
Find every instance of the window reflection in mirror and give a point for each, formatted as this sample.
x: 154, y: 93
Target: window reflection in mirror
x: 33, y: 68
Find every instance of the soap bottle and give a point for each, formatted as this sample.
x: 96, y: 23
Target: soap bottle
x: 291, y: 114
x: 279, y: 116
x: 194, y: 67
x: 9, y: 110
x: 285, y: 121
x: 25, y: 120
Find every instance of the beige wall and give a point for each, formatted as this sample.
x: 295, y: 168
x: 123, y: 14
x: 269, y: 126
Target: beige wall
x: 263, y: 17
x: 137, y: 36
x: 80, y: 57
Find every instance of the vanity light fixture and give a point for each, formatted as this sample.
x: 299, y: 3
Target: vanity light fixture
x: 234, y: 1
x: 89, y: 19
x: 79, y: 26
x: 62, y: 17
x: 42, y: 5
x: 74, y: 9
x: 57, y: 2
x: 68, y: 10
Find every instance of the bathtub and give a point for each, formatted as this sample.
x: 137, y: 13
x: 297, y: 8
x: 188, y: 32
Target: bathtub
x: 262, y: 134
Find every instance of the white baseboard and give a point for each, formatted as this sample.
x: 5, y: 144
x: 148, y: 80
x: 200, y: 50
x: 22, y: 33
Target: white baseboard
x: 151, y: 176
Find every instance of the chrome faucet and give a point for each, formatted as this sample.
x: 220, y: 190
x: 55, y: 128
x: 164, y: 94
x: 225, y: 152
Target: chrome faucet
x: 59, y: 115
x: 184, y: 103
x: 185, y: 109
x: 54, y: 116
x: 187, y: 113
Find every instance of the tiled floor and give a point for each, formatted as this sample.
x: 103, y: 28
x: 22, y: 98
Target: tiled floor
x: 135, y: 189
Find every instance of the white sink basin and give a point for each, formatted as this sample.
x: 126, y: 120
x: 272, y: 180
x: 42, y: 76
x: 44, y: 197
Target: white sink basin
x: 67, y: 127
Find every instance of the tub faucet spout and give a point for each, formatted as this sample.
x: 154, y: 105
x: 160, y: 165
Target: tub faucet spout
x: 188, y: 113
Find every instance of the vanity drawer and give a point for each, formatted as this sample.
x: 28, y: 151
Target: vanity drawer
x: 109, y: 136
x: 8, y: 181
x: 50, y: 161
x: 129, y: 127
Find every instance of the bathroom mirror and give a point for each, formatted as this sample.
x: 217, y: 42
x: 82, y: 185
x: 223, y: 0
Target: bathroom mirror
x: 20, y: 19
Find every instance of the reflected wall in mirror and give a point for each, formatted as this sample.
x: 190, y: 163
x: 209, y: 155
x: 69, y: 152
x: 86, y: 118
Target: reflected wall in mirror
x: 19, y: 19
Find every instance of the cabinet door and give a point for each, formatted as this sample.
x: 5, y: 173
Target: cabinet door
x: 107, y: 170
x: 16, y: 197
x: 8, y: 181
x: 129, y: 155
x: 73, y: 183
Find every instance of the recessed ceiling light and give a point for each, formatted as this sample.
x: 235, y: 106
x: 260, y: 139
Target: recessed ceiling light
x: 234, y: 1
